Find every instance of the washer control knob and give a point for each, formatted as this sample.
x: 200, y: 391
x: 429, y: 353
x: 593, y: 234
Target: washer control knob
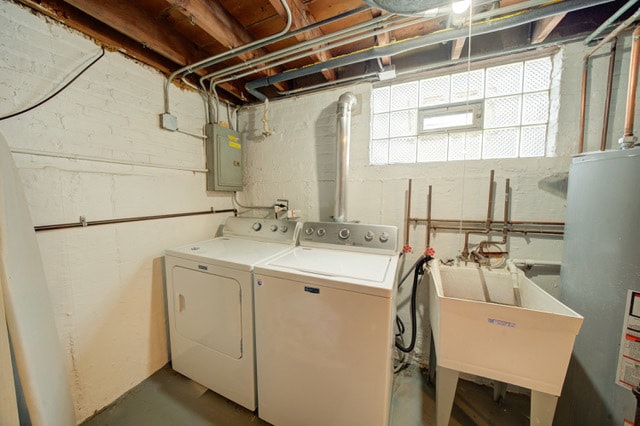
x: 344, y: 233
x: 283, y: 228
x: 273, y: 228
x: 257, y: 226
x: 384, y: 237
x: 308, y: 230
x: 322, y: 232
x: 368, y: 235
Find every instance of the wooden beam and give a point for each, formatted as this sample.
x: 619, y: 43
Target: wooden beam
x: 382, y: 38
x: 215, y: 21
x: 456, y: 48
x: 301, y: 17
x: 219, y: 24
x: 544, y: 27
x: 111, y: 39
x: 132, y: 21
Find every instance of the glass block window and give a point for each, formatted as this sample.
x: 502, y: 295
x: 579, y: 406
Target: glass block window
x: 494, y: 112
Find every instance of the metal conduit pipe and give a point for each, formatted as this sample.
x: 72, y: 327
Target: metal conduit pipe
x: 302, y: 46
x: 609, y: 21
x: 226, y: 55
x: 346, y: 102
x: 305, y: 54
x: 341, y: 81
x: 583, y: 101
x: 345, y: 32
x: 478, y: 28
x: 336, y: 36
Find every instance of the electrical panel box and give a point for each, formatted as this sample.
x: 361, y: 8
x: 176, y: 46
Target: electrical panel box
x: 224, y: 159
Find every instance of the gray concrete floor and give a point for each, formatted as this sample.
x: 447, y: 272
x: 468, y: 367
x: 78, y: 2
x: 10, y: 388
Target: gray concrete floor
x: 168, y: 398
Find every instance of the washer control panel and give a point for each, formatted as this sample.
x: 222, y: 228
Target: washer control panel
x: 263, y: 229
x: 355, y: 235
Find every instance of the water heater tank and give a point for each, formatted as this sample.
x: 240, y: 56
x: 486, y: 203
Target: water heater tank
x: 601, y: 262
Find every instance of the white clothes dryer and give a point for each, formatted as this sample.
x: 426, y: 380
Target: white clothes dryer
x: 324, y: 327
x: 210, y: 304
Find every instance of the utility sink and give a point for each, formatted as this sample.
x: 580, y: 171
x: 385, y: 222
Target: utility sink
x: 498, y: 324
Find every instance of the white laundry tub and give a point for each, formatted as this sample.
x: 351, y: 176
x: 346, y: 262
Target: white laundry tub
x: 498, y: 324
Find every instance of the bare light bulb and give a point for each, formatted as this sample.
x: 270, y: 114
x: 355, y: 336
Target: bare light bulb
x: 460, y: 6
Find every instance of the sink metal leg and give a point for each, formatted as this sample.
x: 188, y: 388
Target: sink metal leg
x: 446, y: 383
x: 543, y: 407
x: 499, y: 391
x: 433, y: 361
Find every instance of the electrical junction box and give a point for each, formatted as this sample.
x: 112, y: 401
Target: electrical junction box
x: 224, y: 159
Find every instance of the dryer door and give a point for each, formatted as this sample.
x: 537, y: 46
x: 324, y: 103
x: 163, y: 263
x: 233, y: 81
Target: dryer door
x: 207, y: 310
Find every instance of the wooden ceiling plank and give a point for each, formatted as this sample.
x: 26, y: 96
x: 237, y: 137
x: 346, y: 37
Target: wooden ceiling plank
x: 300, y: 18
x: 382, y: 39
x: 106, y: 36
x: 456, y: 48
x: 544, y: 27
x: 214, y: 19
x: 125, y: 17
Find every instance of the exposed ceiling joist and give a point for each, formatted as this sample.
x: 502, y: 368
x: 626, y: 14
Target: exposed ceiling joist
x: 302, y: 18
x: 456, y: 48
x: 172, y: 35
x: 543, y: 28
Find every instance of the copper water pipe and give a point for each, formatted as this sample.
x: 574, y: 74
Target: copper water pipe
x: 482, y: 222
x: 583, y: 103
x: 407, y: 221
x: 630, y: 20
x: 84, y: 223
x: 490, y: 203
x: 633, y: 81
x: 428, y: 239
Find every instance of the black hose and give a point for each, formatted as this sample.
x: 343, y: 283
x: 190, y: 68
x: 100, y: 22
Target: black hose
x: 418, y: 271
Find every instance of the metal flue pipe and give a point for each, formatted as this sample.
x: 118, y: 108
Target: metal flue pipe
x: 346, y: 103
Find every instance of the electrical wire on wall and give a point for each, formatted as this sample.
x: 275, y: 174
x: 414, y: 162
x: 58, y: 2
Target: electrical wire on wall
x: 57, y: 91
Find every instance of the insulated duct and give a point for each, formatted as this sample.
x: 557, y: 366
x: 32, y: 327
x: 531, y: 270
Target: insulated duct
x: 346, y: 102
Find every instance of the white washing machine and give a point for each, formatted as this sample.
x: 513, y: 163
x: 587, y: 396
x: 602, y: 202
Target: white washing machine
x: 210, y: 304
x: 324, y: 327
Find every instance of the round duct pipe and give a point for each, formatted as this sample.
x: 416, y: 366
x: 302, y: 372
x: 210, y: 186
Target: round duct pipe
x: 346, y: 103
x: 407, y: 7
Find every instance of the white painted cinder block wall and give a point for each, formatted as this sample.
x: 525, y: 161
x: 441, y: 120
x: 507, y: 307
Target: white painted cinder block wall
x: 297, y: 162
x: 105, y: 281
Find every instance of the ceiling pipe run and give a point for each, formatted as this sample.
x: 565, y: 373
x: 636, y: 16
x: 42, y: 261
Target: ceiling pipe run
x: 478, y: 28
x: 585, y: 70
x: 226, y: 55
x: 346, y: 103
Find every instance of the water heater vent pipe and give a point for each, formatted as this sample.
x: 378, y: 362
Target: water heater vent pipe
x: 346, y: 103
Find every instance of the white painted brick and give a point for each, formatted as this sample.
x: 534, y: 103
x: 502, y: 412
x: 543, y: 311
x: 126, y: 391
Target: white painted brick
x: 105, y: 282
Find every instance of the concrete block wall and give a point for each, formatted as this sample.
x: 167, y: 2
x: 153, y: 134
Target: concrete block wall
x: 298, y: 162
x: 106, y: 282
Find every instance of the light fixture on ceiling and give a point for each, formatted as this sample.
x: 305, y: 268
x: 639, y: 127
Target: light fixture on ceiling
x: 460, y: 6
x: 407, y: 7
